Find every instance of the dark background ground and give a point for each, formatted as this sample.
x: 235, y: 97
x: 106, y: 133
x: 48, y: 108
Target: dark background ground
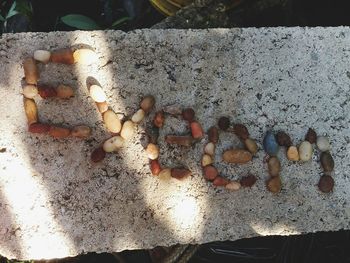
x: 44, y: 15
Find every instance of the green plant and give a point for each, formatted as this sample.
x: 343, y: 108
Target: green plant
x: 18, y: 7
x: 86, y: 23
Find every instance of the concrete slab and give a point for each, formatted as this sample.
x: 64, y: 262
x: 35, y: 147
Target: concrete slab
x: 55, y: 203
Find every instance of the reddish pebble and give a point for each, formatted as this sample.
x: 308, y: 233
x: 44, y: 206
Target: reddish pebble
x: 220, y: 181
x: 188, y: 114
x: 59, y: 132
x: 248, y: 181
x: 159, y: 119
x: 196, y: 130
x: 224, y: 123
x: 180, y: 173
x: 47, y: 92
x: 39, y: 128
x: 155, y: 167
x: 213, y: 134
x: 210, y: 172
x: 98, y: 155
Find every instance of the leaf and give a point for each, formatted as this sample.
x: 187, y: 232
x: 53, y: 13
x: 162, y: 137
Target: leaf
x: 12, y: 10
x: 2, y: 18
x: 80, y: 22
x: 121, y: 21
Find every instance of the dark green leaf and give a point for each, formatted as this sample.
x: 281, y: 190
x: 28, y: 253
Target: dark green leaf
x: 80, y: 22
x: 121, y: 21
x: 2, y: 18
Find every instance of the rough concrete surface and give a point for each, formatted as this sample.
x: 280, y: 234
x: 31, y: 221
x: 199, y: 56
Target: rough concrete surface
x: 55, y: 203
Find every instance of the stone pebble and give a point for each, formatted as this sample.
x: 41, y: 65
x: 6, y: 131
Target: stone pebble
x: 327, y: 161
x: 270, y: 144
x: 293, y: 154
x: 305, y: 151
x: 323, y: 143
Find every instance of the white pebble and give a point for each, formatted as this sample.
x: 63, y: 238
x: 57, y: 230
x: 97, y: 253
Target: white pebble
x: 112, y: 121
x: 210, y: 149
x: 323, y: 143
x: 97, y: 94
x: 113, y: 144
x: 138, y: 116
x: 206, y: 160
x: 152, y: 151
x: 85, y: 56
x: 42, y: 56
x: 233, y: 186
x: 30, y: 91
x: 305, y: 151
x: 165, y: 174
x: 128, y: 130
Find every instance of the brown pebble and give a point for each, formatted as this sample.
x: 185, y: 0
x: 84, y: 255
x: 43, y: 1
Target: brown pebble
x: 311, y: 136
x: 238, y: 156
x: 293, y: 154
x: 188, y: 114
x: 159, y: 119
x: 327, y: 161
x: 147, y: 103
x: 213, y: 134
x: 274, y: 184
x: 179, y: 140
x: 326, y: 184
x: 196, y: 130
x: 155, y: 167
x: 31, y: 110
x: 274, y: 166
x: 248, y: 181
x: 31, y: 71
x: 81, y: 131
x: 180, y: 173
x: 59, y: 132
x: 224, y: 123
x: 251, y: 145
x: 241, y: 131
x: 283, y: 139
x: 98, y: 155
x: 220, y: 181
x: 63, y: 56
x: 210, y: 172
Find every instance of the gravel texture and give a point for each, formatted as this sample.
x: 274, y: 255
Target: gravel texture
x: 55, y: 203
